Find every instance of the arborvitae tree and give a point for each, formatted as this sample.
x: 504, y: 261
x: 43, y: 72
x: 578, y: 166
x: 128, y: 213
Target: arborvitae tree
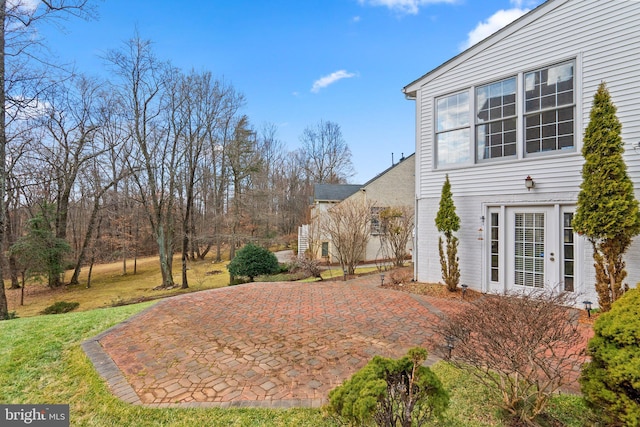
x: 448, y: 222
x: 607, y: 212
x: 611, y: 380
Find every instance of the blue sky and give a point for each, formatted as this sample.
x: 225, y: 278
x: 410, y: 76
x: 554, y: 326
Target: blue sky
x: 301, y: 61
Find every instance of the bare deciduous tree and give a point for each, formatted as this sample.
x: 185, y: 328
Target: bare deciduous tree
x: 396, y: 227
x: 19, y: 19
x: 326, y: 153
x: 522, y: 347
x: 143, y: 80
x: 70, y: 122
x: 243, y: 160
x: 348, y: 226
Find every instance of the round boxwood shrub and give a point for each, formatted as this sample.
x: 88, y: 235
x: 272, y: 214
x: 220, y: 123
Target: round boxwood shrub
x: 611, y: 381
x: 252, y: 261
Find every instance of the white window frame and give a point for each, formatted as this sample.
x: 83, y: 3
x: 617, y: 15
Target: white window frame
x: 440, y: 133
x: 556, y: 108
x: 471, y: 154
x: 490, y: 121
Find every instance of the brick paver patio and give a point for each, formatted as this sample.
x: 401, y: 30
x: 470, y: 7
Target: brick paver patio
x: 262, y: 344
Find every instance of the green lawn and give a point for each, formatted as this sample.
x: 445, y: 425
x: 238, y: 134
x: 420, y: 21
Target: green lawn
x: 41, y: 361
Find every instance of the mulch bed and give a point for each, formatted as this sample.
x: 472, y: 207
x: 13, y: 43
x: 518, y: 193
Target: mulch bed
x: 435, y: 290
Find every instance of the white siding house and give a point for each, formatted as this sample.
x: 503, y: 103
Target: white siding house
x: 514, y: 106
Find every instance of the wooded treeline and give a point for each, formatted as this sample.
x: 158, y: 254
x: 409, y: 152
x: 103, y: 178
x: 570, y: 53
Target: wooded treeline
x: 158, y: 160
x: 152, y: 160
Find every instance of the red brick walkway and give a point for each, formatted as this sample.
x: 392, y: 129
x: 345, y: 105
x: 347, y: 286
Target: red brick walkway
x: 262, y: 344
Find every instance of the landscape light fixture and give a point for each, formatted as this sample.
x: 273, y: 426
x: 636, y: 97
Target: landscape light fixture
x: 528, y: 182
x: 344, y: 274
x: 587, y: 306
x: 381, y: 279
x: 449, y: 339
x: 464, y: 289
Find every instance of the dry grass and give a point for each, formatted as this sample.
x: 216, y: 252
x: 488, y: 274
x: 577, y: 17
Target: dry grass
x: 109, y: 286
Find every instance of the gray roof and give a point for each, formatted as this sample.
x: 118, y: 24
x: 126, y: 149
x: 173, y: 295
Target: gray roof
x: 334, y: 192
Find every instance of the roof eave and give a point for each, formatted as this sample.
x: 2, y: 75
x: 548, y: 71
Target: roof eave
x: 412, y: 88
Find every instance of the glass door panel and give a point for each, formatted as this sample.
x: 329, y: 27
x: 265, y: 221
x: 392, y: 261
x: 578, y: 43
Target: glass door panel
x: 529, y: 249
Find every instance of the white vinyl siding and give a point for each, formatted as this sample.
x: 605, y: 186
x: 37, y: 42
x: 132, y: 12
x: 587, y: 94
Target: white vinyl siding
x: 600, y: 39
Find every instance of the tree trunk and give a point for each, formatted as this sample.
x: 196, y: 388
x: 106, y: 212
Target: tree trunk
x: 13, y: 265
x: 93, y: 259
x: 85, y: 243
x: 4, y: 308
x: 165, y: 256
x: 204, y: 253
x: 22, y: 290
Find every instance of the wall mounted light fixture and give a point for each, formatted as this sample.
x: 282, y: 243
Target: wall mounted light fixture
x: 528, y: 182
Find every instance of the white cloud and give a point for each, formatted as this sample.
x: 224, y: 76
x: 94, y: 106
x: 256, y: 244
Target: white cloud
x: 495, y: 22
x: 410, y: 7
x: 524, y: 4
x: 325, y: 81
x: 30, y: 109
x: 23, y: 5
x: 355, y: 19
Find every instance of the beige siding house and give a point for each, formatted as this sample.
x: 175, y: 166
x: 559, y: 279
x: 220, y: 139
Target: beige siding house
x: 505, y: 120
x: 395, y: 187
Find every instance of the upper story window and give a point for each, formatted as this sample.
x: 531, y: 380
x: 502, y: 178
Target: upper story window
x: 530, y: 113
x: 549, y: 109
x: 452, y: 129
x: 496, y: 117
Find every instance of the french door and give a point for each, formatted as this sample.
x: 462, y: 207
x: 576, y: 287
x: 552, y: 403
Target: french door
x: 531, y: 247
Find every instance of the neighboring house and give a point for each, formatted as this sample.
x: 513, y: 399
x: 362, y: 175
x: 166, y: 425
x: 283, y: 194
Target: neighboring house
x: 505, y: 120
x: 395, y: 187
x: 324, y: 196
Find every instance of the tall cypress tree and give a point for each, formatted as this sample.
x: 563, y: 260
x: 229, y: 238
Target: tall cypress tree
x: 447, y: 222
x: 607, y: 212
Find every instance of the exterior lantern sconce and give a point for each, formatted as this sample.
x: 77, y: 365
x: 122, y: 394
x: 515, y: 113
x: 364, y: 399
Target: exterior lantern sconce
x: 481, y: 230
x: 464, y: 289
x: 587, y: 306
x: 381, y: 279
x: 528, y: 182
x: 450, y: 346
